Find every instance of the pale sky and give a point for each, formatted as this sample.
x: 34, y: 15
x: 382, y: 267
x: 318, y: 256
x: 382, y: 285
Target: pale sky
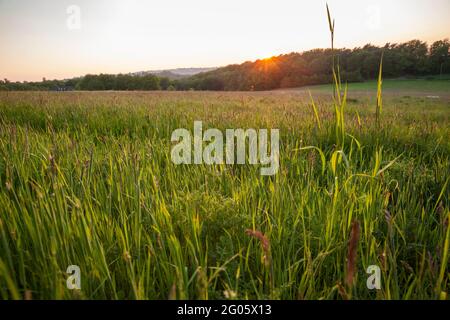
x: 40, y: 38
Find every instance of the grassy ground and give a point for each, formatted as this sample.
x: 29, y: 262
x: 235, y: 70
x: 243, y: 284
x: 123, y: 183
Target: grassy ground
x: 437, y: 89
x: 86, y: 179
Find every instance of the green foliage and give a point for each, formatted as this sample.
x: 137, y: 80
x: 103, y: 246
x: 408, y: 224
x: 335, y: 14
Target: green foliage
x: 91, y: 83
x: 119, y: 82
x: 440, y: 57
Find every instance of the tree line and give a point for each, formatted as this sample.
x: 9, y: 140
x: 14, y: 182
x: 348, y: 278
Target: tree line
x: 410, y: 59
x: 92, y: 82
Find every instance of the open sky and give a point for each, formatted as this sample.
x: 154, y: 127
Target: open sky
x: 54, y: 39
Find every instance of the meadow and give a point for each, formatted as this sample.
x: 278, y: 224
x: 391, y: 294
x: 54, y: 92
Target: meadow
x: 421, y: 88
x: 86, y: 179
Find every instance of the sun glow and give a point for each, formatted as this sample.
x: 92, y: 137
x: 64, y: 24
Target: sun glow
x: 267, y: 65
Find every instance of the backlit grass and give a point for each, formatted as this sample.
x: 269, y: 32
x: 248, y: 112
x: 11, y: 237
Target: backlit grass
x: 87, y: 179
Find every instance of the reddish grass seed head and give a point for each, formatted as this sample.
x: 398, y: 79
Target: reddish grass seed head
x: 352, y: 252
x: 263, y: 240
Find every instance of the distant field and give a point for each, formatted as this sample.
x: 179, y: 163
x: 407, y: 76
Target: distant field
x: 421, y: 87
x: 86, y: 179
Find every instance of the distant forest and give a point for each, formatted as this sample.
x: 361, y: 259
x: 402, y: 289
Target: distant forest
x: 410, y: 59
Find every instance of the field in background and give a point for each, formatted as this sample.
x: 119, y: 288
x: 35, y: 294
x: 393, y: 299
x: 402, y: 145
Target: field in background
x: 425, y: 88
x: 86, y: 179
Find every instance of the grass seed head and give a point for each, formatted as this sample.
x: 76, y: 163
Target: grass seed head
x: 173, y: 292
x: 126, y: 256
x: 264, y: 241
x: 352, y: 252
x: 229, y: 294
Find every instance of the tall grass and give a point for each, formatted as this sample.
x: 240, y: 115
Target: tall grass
x: 86, y: 179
